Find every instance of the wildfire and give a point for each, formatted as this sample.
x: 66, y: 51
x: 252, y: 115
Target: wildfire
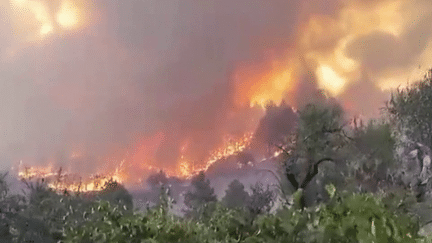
x: 330, y: 79
x: 324, y: 39
x: 28, y: 173
x: 321, y: 48
x: 231, y: 146
x: 62, y: 180
x: 37, y: 19
x: 185, y: 168
x: 260, y: 83
x: 69, y: 15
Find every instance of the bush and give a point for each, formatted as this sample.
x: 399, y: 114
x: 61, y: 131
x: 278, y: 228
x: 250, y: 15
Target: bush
x: 346, y: 218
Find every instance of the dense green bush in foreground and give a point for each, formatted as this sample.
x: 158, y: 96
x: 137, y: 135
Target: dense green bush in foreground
x: 345, y: 218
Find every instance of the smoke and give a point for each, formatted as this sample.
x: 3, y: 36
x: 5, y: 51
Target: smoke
x: 274, y: 127
x: 379, y: 50
x: 140, y: 80
x: 355, y: 102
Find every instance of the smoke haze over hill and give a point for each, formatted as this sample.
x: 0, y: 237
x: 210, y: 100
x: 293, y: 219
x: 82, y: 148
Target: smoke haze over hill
x: 88, y: 84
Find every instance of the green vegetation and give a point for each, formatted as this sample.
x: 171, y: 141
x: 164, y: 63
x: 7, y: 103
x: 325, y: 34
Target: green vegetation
x: 340, y: 181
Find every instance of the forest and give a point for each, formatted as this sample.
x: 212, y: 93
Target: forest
x: 340, y: 180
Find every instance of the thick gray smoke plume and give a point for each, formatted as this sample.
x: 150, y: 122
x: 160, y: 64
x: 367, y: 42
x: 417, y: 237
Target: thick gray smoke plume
x: 143, y: 67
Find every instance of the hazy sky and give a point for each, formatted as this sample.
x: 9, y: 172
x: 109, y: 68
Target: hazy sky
x: 86, y: 84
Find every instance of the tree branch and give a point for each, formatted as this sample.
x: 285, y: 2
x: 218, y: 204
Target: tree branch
x: 313, y: 171
x: 291, y: 178
x: 280, y: 147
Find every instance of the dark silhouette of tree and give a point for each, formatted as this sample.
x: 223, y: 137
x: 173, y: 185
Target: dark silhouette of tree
x: 278, y: 122
x: 157, y: 180
x: 261, y: 199
x: 10, y: 207
x: 156, y: 183
x: 116, y: 194
x: 201, y: 195
x: 42, y: 218
x: 235, y: 195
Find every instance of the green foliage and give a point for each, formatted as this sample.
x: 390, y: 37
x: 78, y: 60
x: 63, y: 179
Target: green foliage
x: 48, y: 214
x: 375, y: 140
x: 231, y: 223
x: 331, y: 190
x: 346, y: 218
x: 10, y: 208
x: 372, y: 154
x: 260, y: 200
x: 364, y: 218
x: 107, y: 224
x: 44, y: 215
x: 320, y: 131
x: 320, y: 138
x: 410, y: 108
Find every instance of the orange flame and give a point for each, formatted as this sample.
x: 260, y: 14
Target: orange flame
x: 257, y: 84
x: 36, y: 20
x: 187, y: 169
x: 321, y: 48
x: 64, y: 180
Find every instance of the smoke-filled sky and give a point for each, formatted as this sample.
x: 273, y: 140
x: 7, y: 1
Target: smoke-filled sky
x: 89, y: 83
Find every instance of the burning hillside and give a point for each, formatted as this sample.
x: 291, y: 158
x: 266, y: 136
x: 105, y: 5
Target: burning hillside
x: 61, y: 180
x: 123, y: 90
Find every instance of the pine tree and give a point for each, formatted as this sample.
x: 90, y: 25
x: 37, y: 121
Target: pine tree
x: 235, y: 195
x: 202, y: 194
